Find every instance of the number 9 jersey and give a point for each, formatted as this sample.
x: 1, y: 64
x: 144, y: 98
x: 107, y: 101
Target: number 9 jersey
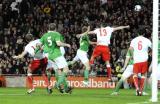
x: 140, y: 46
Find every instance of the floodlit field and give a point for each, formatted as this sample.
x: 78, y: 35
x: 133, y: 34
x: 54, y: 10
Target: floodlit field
x: 79, y: 96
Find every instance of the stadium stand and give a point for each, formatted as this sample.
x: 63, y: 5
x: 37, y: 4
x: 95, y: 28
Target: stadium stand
x: 17, y: 17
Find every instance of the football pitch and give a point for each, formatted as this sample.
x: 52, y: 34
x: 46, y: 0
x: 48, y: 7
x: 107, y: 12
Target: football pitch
x: 78, y: 96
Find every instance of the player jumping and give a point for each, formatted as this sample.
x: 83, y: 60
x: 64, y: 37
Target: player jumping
x: 102, y: 48
x: 82, y: 53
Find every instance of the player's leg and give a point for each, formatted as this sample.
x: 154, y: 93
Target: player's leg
x: 135, y: 77
x: 143, y: 73
x: 96, y: 52
x: 62, y: 64
x: 32, y: 66
x: 106, y: 58
x: 84, y: 59
x: 126, y: 74
x: 46, y: 74
x: 30, y: 81
x: 75, y: 59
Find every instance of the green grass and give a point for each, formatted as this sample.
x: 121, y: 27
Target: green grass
x: 79, y: 96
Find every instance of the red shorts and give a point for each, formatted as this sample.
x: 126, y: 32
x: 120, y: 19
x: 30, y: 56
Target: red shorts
x: 101, y: 50
x: 141, y: 67
x: 38, y: 64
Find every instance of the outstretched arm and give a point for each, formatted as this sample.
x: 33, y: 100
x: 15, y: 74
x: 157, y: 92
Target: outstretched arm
x: 20, y: 55
x: 128, y: 57
x: 82, y: 34
x: 61, y: 44
x: 125, y: 63
x: 120, y: 28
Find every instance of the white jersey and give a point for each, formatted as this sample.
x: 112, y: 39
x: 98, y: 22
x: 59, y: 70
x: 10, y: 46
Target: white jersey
x: 103, y: 35
x: 140, y: 45
x: 30, y: 48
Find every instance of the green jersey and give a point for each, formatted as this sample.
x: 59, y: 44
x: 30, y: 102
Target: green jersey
x: 84, y: 43
x: 131, y: 59
x: 49, y: 41
x: 159, y: 51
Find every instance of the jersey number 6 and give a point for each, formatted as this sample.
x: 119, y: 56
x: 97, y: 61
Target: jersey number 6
x: 140, y: 45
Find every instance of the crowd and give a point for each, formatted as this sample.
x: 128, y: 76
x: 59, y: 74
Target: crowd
x: 18, y: 17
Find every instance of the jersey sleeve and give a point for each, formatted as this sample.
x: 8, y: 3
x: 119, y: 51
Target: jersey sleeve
x: 132, y: 44
x: 29, y: 50
x: 128, y: 54
x: 42, y: 39
x: 109, y: 29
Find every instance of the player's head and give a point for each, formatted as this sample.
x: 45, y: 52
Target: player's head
x: 52, y: 26
x: 28, y: 37
x: 142, y: 32
x: 84, y: 28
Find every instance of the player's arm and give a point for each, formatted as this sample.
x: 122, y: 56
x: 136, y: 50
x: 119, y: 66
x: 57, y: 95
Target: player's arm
x: 20, y: 55
x: 85, y: 33
x: 120, y: 28
x: 126, y: 61
x: 61, y: 44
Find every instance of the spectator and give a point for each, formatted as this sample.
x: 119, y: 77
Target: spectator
x: 70, y: 16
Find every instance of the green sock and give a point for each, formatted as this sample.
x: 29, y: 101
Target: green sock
x: 118, y: 85
x: 65, y: 84
x: 61, y: 79
x: 86, y: 75
x: 56, y: 75
x: 48, y: 75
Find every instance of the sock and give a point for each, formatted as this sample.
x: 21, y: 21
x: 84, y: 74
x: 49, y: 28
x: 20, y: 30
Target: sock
x: 135, y: 80
x: 118, y: 85
x: 142, y: 83
x: 65, y: 83
x: 86, y: 75
x: 47, y: 78
x: 61, y: 79
x: 109, y: 72
x: 30, y: 82
x: 56, y: 75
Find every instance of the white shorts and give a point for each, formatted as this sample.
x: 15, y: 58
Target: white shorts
x: 128, y: 72
x: 61, y: 62
x: 62, y: 50
x: 51, y: 64
x: 81, y: 55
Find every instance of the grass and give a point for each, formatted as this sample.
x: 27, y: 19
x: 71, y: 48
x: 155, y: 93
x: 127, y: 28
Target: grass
x: 79, y: 96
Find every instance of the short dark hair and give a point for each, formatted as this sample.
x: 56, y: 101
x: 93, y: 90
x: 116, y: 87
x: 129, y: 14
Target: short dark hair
x: 84, y: 28
x: 29, y: 37
x: 52, y: 26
